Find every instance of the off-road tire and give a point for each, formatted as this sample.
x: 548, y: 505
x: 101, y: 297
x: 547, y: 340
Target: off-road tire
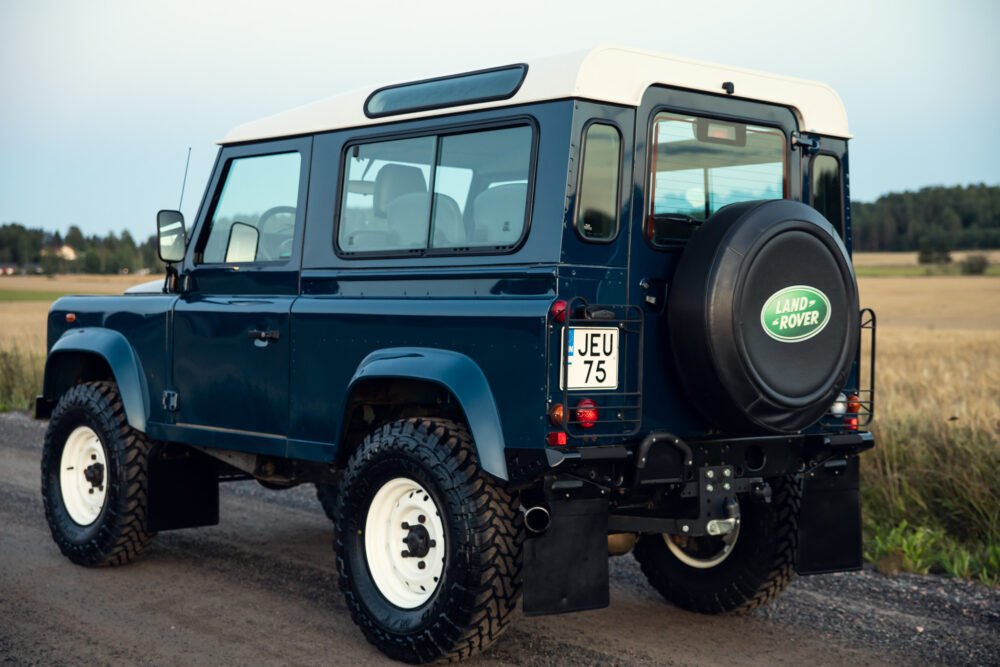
x: 120, y: 533
x: 481, y: 580
x: 326, y: 494
x: 759, y: 568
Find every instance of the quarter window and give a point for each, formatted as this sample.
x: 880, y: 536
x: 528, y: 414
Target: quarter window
x: 597, y: 198
x: 449, y: 193
x: 698, y: 165
x: 826, y: 194
x: 254, y: 219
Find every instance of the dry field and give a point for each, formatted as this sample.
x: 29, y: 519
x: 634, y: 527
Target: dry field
x: 884, y: 259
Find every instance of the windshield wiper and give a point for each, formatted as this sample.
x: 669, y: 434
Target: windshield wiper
x: 682, y: 218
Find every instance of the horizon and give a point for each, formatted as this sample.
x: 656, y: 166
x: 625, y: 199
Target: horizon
x: 105, y: 101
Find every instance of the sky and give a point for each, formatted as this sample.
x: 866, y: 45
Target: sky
x: 100, y: 100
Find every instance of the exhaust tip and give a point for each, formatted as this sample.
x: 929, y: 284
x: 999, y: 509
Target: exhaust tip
x: 536, y: 518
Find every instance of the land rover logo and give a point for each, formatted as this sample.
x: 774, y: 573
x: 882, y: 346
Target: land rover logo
x: 795, y: 313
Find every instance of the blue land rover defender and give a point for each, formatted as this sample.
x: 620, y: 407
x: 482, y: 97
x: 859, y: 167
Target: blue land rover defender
x: 508, y: 322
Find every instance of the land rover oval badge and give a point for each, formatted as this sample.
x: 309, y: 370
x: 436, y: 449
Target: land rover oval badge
x: 795, y: 313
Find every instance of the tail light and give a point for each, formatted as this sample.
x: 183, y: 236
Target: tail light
x: 851, y: 423
x: 558, y: 310
x: 585, y: 413
x: 556, y: 438
x: 854, y: 404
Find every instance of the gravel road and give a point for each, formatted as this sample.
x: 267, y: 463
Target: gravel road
x: 260, y: 588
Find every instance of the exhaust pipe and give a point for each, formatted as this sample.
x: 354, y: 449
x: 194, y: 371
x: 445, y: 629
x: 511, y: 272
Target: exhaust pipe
x: 536, y: 518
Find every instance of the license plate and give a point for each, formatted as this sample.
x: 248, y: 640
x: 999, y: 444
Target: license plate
x: 590, y: 358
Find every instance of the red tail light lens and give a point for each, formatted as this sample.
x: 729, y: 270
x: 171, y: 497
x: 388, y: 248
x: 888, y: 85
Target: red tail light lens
x: 851, y: 423
x: 556, y: 438
x: 853, y: 404
x: 558, y: 310
x: 585, y: 413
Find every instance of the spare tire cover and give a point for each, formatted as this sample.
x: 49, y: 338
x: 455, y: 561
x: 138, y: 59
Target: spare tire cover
x: 763, y: 317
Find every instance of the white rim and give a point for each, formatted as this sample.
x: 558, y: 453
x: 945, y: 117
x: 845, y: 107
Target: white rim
x: 404, y: 543
x: 83, y: 475
x: 680, y: 546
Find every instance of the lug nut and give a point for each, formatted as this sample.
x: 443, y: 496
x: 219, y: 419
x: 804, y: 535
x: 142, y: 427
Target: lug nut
x: 727, y: 472
x: 727, y: 486
x: 421, y: 565
x: 709, y: 488
x: 685, y: 528
x: 710, y: 474
x: 422, y: 519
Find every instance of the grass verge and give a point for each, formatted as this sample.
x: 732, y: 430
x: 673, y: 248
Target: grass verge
x: 20, y: 377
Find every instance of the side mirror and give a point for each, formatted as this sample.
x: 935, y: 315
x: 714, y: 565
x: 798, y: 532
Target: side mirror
x: 171, y: 236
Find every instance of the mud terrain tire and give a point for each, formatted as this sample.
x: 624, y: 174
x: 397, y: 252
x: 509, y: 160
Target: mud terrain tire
x: 119, y: 531
x: 479, y: 537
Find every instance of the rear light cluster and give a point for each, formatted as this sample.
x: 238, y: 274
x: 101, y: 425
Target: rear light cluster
x: 847, y: 407
x: 584, y: 415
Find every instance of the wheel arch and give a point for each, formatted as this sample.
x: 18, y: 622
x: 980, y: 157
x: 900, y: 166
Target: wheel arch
x: 95, y: 353
x: 419, y: 378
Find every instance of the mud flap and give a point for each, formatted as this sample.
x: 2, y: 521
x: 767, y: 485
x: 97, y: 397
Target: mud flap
x: 566, y: 567
x: 830, y: 519
x: 183, y: 489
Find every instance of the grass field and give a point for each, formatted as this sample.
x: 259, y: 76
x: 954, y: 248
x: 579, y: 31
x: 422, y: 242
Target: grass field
x: 905, y: 265
x: 931, y: 501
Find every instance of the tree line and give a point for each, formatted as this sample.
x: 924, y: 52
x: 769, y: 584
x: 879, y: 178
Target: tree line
x: 932, y: 219
x: 37, y: 250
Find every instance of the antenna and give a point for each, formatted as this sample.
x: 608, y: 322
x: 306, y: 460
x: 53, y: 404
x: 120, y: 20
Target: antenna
x: 184, y: 182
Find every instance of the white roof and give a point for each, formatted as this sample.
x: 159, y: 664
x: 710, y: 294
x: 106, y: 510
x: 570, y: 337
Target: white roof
x: 605, y: 74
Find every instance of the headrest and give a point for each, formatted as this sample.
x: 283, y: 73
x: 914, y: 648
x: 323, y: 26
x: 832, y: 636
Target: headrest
x: 395, y: 180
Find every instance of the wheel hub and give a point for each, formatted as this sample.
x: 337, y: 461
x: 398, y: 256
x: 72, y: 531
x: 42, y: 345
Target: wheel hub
x: 94, y: 473
x: 418, y: 541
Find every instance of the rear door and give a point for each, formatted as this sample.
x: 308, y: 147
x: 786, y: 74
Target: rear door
x: 694, y: 154
x: 231, y: 325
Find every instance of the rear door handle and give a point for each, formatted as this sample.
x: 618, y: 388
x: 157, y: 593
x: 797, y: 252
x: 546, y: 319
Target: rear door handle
x: 256, y: 335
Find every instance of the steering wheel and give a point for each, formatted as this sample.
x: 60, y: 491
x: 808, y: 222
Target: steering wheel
x: 284, y: 249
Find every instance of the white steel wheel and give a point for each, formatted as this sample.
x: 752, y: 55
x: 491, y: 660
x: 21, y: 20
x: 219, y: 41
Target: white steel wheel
x: 83, y: 471
x: 404, y: 543
x: 702, y: 552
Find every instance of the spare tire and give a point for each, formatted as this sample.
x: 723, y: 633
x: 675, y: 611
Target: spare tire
x: 763, y: 317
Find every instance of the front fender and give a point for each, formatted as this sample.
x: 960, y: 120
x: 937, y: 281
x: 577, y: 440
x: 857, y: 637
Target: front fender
x: 67, y: 356
x: 462, y: 377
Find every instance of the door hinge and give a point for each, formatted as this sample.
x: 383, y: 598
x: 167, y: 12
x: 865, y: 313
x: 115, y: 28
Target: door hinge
x: 809, y: 144
x: 170, y: 401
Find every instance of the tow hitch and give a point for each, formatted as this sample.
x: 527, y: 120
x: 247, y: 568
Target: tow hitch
x: 718, y: 508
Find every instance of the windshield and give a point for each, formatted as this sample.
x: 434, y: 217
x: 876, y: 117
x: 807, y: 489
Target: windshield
x: 699, y: 165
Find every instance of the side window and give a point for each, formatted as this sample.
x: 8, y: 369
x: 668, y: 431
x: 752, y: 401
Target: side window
x: 597, y: 197
x: 825, y: 191
x: 451, y: 192
x: 254, y: 219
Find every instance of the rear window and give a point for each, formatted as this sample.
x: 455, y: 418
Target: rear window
x: 698, y: 165
x: 443, y: 193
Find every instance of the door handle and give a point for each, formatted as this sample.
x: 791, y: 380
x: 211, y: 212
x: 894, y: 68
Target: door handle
x: 263, y: 336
